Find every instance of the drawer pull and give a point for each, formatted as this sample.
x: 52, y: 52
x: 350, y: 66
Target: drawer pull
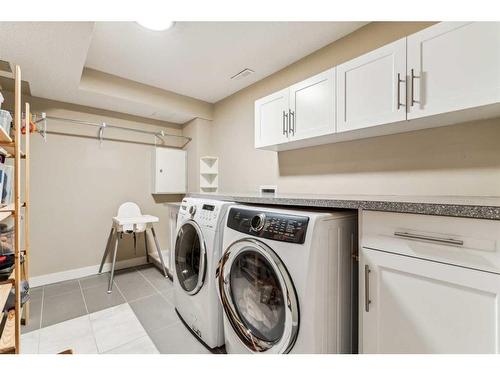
x: 449, y: 241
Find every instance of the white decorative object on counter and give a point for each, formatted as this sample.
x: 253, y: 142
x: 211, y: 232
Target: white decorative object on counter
x: 209, y: 174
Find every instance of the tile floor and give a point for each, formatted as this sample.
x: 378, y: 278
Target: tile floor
x: 137, y: 318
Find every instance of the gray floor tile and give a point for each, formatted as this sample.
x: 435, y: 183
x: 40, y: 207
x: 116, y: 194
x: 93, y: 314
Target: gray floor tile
x: 61, y: 288
x: 95, y: 280
x: 62, y: 307
x: 35, y: 315
x: 133, y: 285
x: 169, y: 295
x: 154, y: 312
x: 36, y: 292
x: 176, y: 339
x: 97, y: 298
x: 156, y: 278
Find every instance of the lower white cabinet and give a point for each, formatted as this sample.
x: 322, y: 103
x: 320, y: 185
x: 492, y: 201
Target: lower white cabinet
x: 411, y: 305
x: 429, y: 284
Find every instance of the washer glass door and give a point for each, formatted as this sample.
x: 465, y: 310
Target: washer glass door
x: 258, y: 297
x: 190, y: 257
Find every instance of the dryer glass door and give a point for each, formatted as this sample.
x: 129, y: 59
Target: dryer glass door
x: 190, y: 257
x: 258, y: 297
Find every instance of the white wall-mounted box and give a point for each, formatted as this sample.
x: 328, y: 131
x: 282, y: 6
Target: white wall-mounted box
x: 169, y: 171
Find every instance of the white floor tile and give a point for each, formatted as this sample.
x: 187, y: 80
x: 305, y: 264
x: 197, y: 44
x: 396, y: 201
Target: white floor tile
x: 144, y: 345
x: 29, y: 342
x: 73, y: 334
x: 115, y: 327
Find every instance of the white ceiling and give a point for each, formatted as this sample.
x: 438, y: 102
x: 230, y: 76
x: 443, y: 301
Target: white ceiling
x: 194, y: 59
x: 197, y: 59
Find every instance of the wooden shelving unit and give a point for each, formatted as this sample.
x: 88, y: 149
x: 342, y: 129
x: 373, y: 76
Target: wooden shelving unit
x: 10, y: 323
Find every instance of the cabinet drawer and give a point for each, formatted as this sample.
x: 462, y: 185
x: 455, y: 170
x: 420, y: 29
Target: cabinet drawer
x: 472, y: 243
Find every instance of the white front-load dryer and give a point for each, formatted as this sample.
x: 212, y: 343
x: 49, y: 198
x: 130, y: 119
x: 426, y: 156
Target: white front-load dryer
x: 284, y: 280
x: 200, y: 225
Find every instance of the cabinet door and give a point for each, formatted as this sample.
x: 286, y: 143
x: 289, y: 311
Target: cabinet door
x: 312, y: 106
x: 369, y: 92
x: 169, y: 171
x: 419, y: 306
x: 271, y: 119
x: 455, y: 65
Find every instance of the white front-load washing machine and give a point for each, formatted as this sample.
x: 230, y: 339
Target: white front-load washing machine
x: 284, y: 280
x: 200, y: 225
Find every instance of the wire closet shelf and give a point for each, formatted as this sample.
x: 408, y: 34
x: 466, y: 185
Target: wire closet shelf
x: 159, y: 136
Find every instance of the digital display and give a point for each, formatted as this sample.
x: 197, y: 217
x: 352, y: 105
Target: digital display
x: 208, y: 207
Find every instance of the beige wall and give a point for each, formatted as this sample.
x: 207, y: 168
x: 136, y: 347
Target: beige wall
x: 77, y: 186
x: 458, y: 160
x: 200, y: 132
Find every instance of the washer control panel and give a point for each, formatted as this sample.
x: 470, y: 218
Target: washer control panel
x: 204, y: 213
x: 270, y: 225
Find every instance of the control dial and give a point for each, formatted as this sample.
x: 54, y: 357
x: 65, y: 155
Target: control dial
x: 192, y: 210
x: 257, y: 222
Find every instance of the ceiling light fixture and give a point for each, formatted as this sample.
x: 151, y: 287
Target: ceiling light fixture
x: 156, y: 24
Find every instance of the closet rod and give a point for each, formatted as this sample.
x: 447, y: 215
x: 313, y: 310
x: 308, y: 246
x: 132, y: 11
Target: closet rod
x: 104, y: 125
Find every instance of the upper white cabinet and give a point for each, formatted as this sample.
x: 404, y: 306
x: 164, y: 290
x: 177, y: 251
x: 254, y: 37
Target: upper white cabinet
x: 453, y: 66
x: 169, y: 171
x: 271, y: 119
x: 446, y: 74
x: 312, y: 106
x: 371, y: 89
x: 302, y: 111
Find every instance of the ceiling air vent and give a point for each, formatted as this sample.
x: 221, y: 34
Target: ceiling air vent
x: 244, y: 73
x: 5, y: 66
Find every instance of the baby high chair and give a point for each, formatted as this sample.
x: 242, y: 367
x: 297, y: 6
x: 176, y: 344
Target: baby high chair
x: 129, y: 220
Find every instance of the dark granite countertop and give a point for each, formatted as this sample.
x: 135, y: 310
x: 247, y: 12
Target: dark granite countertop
x: 472, y: 207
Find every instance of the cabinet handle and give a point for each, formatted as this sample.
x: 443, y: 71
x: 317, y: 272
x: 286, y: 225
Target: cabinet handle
x: 285, y: 125
x: 367, y: 288
x: 399, y: 91
x: 449, y: 241
x: 291, y: 119
x: 413, y: 76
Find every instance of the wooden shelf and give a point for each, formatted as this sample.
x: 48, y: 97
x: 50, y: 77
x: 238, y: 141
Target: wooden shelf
x: 8, y: 339
x: 4, y: 137
x: 10, y: 208
x: 4, y: 215
x: 9, y: 151
x: 10, y: 335
x: 4, y: 294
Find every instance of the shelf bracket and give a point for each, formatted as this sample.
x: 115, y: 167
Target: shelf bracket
x: 101, y: 133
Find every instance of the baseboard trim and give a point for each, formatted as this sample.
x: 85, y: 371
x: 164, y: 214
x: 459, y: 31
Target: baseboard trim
x: 77, y: 273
